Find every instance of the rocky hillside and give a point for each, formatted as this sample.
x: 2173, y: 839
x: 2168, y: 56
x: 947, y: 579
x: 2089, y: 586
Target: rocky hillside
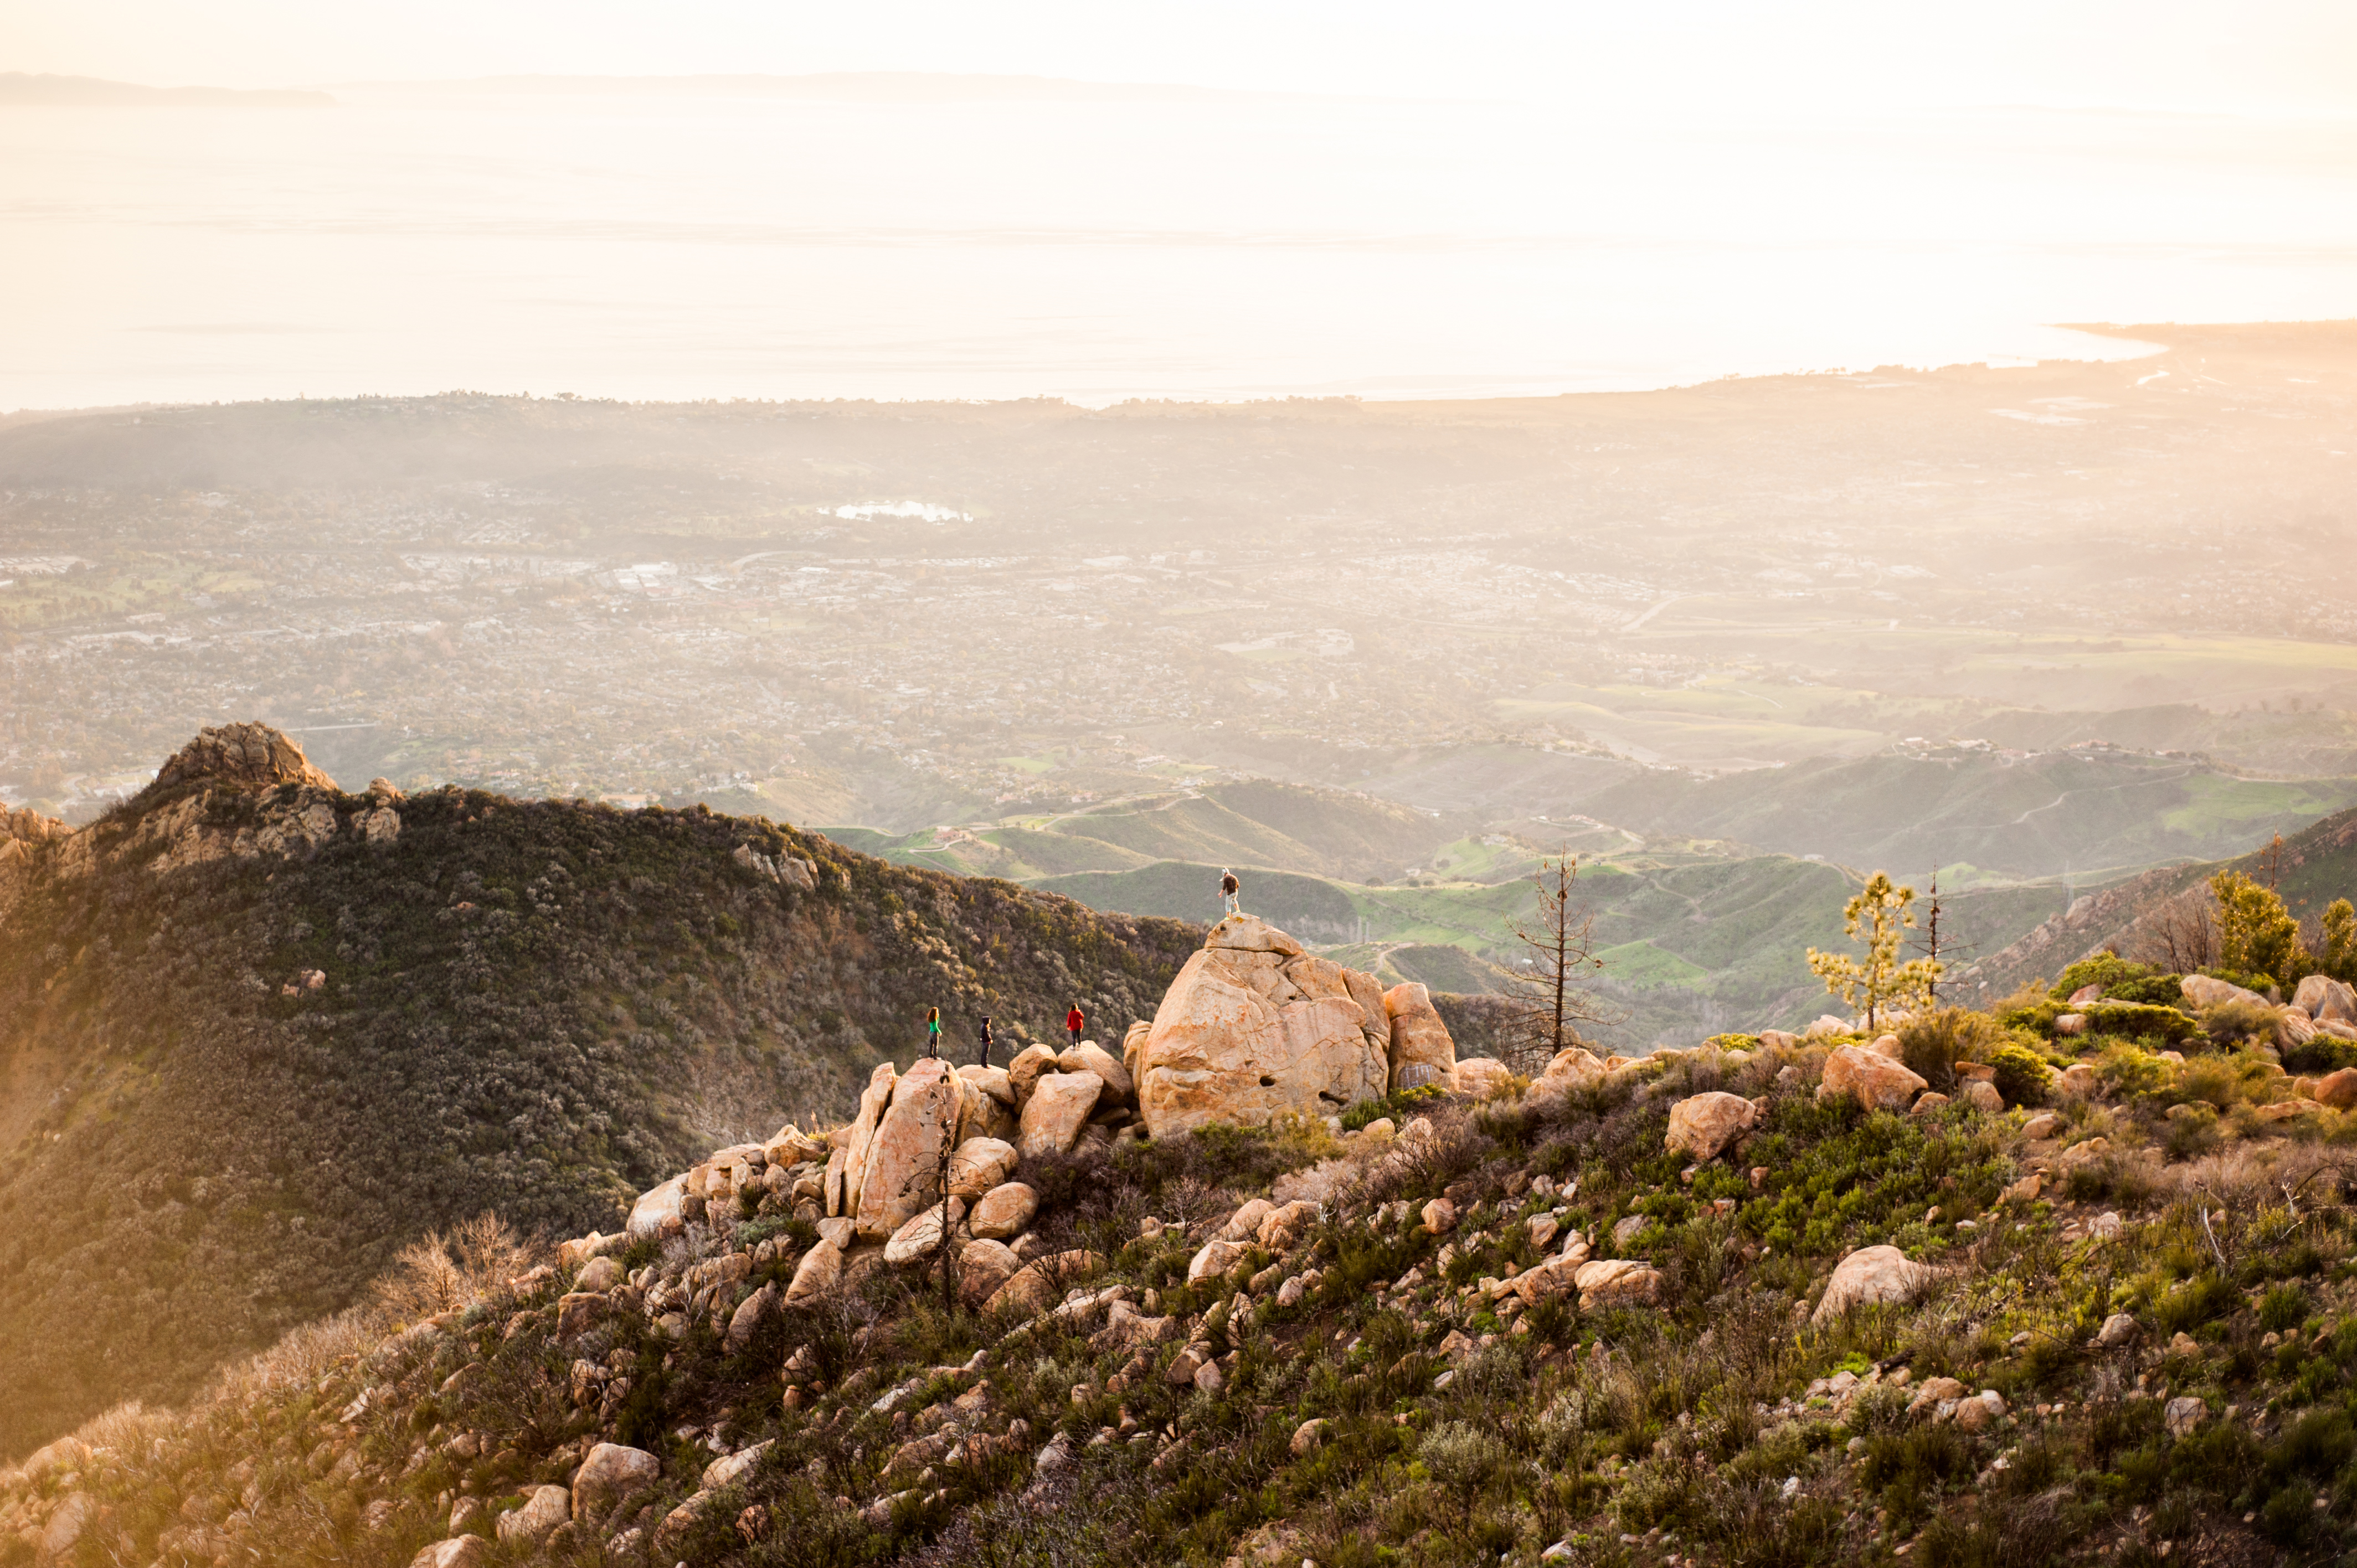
x: 2045, y: 1287
x: 2313, y: 867
x: 256, y: 1034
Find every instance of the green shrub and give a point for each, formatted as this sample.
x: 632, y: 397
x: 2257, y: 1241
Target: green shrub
x: 2108, y: 970
x: 2140, y: 1020
x: 2234, y: 1022
x: 2284, y: 1306
x: 2021, y: 1076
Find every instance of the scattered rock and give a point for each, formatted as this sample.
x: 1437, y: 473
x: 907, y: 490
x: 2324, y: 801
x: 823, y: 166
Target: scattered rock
x: 2045, y: 1124
x: 545, y: 1508
x: 1243, y: 1225
x: 1616, y: 1281
x: 820, y: 1271
x: 1872, y: 1275
x: 610, y: 1472
x: 459, y: 1552
x: 1927, y: 1102
x: 730, y: 1468
x: 2338, y: 1090
x: 2184, y: 1415
x: 750, y: 1314
x: 983, y: 1265
x: 1215, y: 1260
x: 1440, y: 1216
x: 1703, y: 1124
x: 1981, y: 1097
x: 1040, y: 1283
x: 2071, y: 1024
x: 579, y: 1311
x: 1875, y: 1082
x: 1979, y: 1412
x: 1483, y: 1078
x: 1309, y: 1437
x: 2118, y: 1330
x: 1004, y: 1211
x: 660, y: 1205
x: 602, y: 1274
x: 2080, y: 1081
x: 1574, y: 1067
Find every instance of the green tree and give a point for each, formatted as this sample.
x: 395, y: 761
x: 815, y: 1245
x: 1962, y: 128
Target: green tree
x: 1879, y: 915
x: 2256, y: 935
x: 2339, y: 958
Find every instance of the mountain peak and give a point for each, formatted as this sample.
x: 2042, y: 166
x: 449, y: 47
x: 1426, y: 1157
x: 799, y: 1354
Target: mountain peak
x: 249, y: 753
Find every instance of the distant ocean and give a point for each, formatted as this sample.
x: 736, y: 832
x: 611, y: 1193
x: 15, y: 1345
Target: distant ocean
x: 675, y: 242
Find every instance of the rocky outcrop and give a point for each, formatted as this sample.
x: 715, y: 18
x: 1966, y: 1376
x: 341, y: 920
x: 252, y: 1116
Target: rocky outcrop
x: 253, y: 755
x: 1254, y: 1028
x: 2326, y: 1000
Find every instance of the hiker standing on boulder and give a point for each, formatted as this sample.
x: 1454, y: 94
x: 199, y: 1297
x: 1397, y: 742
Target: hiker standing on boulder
x: 984, y: 1058
x: 1228, y: 889
x: 932, y: 1031
x: 1074, y: 1023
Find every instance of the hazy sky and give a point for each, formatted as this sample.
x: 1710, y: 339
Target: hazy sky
x: 2237, y: 56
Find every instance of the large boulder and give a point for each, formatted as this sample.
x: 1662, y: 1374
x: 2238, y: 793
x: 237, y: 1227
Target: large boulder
x: 1023, y: 1072
x: 2326, y: 1000
x: 610, y: 1472
x: 2209, y: 991
x: 1876, y: 1081
x: 983, y: 1265
x: 1616, y: 1281
x: 459, y: 1552
x: 1703, y: 1124
x: 903, y: 1170
x: 1420, y: 1045
x: 1253, y: 1029
x: 820, y: 1270
x: 920, y: 1237
x: 1871, y: 1275
x: 1058, y: 1108
x: 1041, y: 1284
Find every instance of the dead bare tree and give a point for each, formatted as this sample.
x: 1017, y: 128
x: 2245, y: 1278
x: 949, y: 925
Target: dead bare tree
x: 1552, y: 1002
x: 2180, y: 937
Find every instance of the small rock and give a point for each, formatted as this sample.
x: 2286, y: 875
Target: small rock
x: 2118, y: 1330
x: 459, y: 1552
x: 545, y: 1508
x: 2183, y: 1415
x: 1703, y: 1124
x: 1004, y: 1211
x: 1440, y: 1216
x: 2045, y: 1124
x: 1980, y: 1097
x: 1871, y: 1275
x: 1308, y: 1436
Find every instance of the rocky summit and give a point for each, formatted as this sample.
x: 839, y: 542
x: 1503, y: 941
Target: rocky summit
x: 246, y: 753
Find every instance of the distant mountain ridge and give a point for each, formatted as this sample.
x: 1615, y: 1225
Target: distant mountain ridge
x: 22, y: 88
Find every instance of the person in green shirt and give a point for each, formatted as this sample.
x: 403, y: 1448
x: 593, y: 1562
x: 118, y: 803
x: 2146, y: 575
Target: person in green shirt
x: 932, y: 1031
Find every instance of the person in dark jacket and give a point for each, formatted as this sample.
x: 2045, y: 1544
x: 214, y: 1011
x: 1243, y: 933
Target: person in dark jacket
x: 984, y: 1057
x: 1074, y: 1023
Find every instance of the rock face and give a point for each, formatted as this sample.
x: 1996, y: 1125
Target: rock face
x: 241, y: 754
x: 1870, y: 1275
x: 1254, y: 1028
x: 1418, y: 1038
x: 1878, y: 1082
x: 1703, y: 1124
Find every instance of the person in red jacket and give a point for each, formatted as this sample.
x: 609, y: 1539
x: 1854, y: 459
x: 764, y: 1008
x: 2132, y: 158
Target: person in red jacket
x: 1075, y: 1022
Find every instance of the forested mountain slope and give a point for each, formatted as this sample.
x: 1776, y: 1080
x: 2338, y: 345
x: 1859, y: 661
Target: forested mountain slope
x: 256, y: 1034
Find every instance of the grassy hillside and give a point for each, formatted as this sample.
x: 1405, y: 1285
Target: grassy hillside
x: 537, y: 1006
x: 2123, y: 1333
